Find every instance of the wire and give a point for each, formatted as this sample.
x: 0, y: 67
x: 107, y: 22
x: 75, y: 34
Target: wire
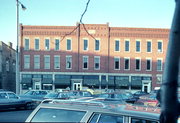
x: 78, y: 26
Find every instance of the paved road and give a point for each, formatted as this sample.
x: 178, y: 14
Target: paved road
x: 14, y: 115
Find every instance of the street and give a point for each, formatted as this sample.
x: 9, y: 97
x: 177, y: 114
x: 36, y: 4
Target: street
x: 14, y: 115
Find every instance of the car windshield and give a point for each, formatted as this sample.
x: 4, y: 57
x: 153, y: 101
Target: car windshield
x: 57, y: 115
x: 29, y: 93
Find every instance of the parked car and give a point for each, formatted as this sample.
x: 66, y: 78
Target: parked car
x: 78, y: 94
x: 34, y: 94
x: 121, y: 96
x: 10, y: 100
x: 91, y: 112
x: 148, y: 100
x: 137, y: 94
x: 57, y: 95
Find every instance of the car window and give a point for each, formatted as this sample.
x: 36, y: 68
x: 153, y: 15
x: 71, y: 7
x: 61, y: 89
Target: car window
x: 12, y: 96
x: 58, y: 115
x: 106, y: 118
x: 136, y: 120
x: 3, y: 96
x: 29, y: 93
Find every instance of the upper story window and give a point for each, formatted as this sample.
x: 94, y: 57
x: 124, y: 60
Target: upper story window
x: 26, y: 44
x: 97, y: 45
x: 68, y: 62
x: 85, y: 62
x: 36, y: 62
x: 7, y: 65
x: 96, y: 62
x: 85, y: 44
x: 160, y: 49
x: 26, y: 61
x: 57, y: 44
x: 127, y: 46
x: 148, y: 64
x: 126, y: 63
x: 47, y: 44
x: 117, y: 63
x: 56, y: 62
x: 138, y: 64
x: 159, y: 65
x: 46, y: 62
x: 149, y: 46
x: 68, y: 41
x: 117, y: 45
x: 36, y: 42
x: 138, y: 46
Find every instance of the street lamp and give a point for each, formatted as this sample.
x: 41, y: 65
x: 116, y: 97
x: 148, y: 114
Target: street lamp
x: 17, y: 47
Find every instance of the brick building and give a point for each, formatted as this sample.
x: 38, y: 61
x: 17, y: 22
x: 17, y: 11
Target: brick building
x: 7, y: 67
x: 93, y: 55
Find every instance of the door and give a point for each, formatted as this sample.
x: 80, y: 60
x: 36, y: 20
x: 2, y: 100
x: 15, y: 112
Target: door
x: 77, y: 84
x: 37, y: 86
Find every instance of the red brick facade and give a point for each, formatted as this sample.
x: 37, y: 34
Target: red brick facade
x: 107, y: 36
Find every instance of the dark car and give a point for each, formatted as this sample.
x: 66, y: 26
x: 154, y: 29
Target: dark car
x: 91, y: 112
x: 137, y: 94
x: 57, y: 95
x: 121, y: 96
x: 10, y: 100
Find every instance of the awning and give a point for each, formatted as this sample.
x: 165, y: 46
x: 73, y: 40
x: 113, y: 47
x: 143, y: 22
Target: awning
x: 91, y: 82
x: 46, y: 81
x: 26, y: 80
x: 122, y: 83
x: 62, y: 81
x: 111, y: 82
x: 136, y: 83
x: 104, y: 82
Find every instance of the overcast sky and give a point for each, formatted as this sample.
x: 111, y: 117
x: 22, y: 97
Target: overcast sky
x: 119, y: 13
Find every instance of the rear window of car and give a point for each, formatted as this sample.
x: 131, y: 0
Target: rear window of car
x: 57, y: 115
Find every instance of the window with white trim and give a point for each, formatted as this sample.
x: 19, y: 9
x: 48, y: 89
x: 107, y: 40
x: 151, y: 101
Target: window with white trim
x: 36, y: 42
x: 116, y: 63
x: 149, y: 46
x: 97, y: 45
x: 68, y: 62
x: 68, y: 45
x: 36, y: 62
x: 127, y: 46
x: 85, y: 62
x: 138, y: 64
x: 97, y: 62
x: 56, y: 62
x: 85, y: 44
x: 159, y: 43
x: 117, y: 45
x: 26, y: 61
x: 138, y: 46
x: 26, y: 44
x: 148, y: 64
x: 46, y: 62
x: 159, y: 65
x: 126, y: 63
x: 57, y: 44
x: 47, y: 44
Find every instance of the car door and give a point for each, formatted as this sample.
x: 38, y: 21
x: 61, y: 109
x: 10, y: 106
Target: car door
x: 14, y: 100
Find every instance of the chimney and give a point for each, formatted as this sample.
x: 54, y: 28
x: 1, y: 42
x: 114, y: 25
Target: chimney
x: 10, y: 44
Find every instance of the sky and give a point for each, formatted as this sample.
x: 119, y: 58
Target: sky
x: 119, y: 13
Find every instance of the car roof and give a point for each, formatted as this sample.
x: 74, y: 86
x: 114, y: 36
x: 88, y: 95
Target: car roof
x: 102, y: 107
x: 6, y: 92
